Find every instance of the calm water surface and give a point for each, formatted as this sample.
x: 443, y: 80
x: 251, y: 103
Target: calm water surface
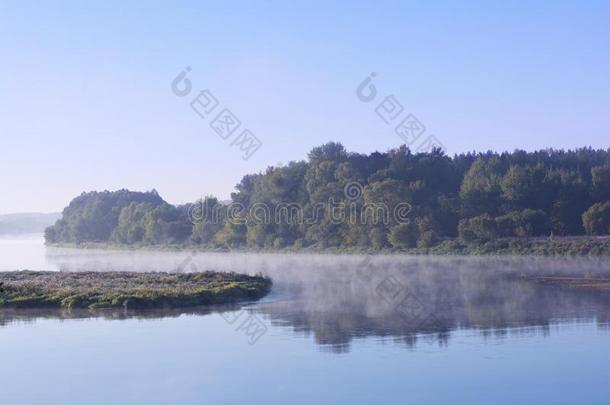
x: 335, y: 329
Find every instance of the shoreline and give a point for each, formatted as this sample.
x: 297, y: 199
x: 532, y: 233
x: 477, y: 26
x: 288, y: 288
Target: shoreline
x: 599, y: 285
x: 127, y: 290
x: 558, y: 246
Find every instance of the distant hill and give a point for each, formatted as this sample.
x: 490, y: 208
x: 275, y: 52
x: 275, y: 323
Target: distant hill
x: 13, y: 224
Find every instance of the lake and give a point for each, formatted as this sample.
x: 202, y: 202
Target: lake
x: 335, y: 329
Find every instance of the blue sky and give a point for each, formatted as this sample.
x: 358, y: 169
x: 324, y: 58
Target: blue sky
x: 86, y: 102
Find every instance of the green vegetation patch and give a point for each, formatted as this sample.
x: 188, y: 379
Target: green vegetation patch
x: 592, y: 284
x: 31, y: 289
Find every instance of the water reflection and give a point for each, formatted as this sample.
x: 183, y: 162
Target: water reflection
x: 495, y: 305
x: 9, y: 317
x: 337, y: 299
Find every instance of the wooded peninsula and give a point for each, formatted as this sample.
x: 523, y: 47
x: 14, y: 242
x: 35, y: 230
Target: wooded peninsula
x: 545, y: 202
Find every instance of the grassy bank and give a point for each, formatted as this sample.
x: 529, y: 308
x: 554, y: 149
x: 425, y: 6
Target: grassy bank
x: 558, y: 246
x: 601, y: 285
x: 565, y: 246
x: 33, y: 289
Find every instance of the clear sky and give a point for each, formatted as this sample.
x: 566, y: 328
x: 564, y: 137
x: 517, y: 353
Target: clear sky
x: 86, y: 102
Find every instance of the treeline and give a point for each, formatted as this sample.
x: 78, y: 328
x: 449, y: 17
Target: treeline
x: 476, y: 197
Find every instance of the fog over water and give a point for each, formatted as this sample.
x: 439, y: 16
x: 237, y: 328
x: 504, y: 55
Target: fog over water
x: 335, y: 328
x: 338, y: 298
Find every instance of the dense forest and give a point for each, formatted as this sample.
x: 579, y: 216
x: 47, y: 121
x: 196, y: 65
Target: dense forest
x: 343, y: 200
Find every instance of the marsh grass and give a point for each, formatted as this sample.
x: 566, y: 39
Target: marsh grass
x: 35, y: 289
x: 600, y: 285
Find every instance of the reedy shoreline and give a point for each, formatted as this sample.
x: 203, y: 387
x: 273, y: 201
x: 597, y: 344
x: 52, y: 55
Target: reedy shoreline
x: 130, y: 290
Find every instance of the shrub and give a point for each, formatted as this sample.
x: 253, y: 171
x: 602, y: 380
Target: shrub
x: 481, y: 228
x: 523, y: 223
x: 596, y: 219
x: 403, y: 235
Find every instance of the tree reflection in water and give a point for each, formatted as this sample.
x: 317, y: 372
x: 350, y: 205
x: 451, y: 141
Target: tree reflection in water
x: 404, y: 299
